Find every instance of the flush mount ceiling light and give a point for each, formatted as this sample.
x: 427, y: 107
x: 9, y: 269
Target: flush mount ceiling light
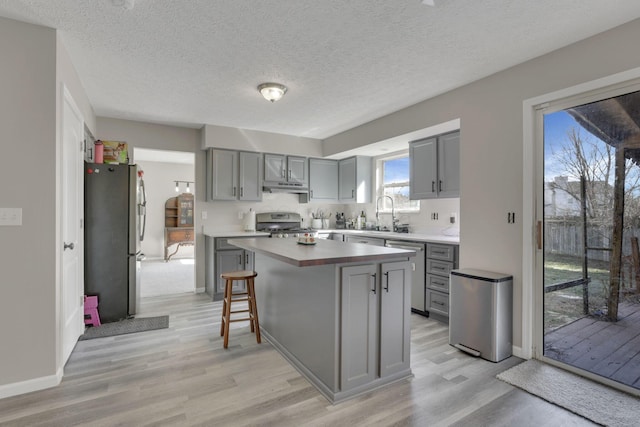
x: 272, y: 91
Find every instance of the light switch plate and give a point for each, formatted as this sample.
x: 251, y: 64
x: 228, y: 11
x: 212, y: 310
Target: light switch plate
x: 204, y: 214
x: 10, y: 216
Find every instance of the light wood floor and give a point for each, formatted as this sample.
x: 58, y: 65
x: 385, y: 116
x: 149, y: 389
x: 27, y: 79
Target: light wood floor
x: 183, y: 376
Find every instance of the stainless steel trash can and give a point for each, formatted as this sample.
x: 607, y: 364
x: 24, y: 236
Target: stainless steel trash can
x: 481, y: 313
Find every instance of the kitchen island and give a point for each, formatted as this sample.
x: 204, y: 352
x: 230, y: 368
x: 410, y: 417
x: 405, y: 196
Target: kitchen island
x: 339, y: 312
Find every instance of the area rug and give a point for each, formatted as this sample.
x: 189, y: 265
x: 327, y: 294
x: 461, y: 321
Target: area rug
x: 127, y: 326
x: 579, y: 395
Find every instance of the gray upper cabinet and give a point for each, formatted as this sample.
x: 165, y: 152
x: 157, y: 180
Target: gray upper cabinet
x: 323, y: 180
x: 435, y: 167
x: 275, y: 167
x: 250, y: 176
x: 354, y: 177
x: 297, y: 167
x: 449, y: 165
x: 233, y: 175
x: 279, y: 168
x: 222, y: 174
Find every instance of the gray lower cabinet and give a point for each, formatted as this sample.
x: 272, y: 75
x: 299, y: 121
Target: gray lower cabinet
x: 337, y: 236
x: 441, y: 259
x: 375, y: 241
x: 374, y: 330
x: 232, y: 260
x: 221, y: 257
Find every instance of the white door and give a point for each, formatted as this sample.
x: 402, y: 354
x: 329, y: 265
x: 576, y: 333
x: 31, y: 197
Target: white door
x: 72, y: 286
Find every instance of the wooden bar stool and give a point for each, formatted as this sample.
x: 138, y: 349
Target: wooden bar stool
x: 248, y: 295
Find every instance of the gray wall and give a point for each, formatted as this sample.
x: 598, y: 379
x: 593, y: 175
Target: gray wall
x: 34, y: 66
x: 491, y: 163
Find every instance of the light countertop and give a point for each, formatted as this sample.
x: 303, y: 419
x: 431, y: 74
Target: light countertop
x: 322, y: 253
x: 413, y: 237
x: 234, y: 233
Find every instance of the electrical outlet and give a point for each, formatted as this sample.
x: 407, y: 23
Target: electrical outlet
x: 10, y: 216
x: 204, y: 214
x: 240, y: 214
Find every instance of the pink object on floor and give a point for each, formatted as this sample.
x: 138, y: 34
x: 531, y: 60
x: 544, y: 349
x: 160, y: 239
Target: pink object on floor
x: 91, y: 310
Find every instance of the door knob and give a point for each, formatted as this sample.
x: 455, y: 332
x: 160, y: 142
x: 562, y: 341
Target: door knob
x: 68, y: 246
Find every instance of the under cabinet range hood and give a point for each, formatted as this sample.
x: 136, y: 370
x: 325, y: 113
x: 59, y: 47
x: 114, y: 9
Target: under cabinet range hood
x: 285, y: 187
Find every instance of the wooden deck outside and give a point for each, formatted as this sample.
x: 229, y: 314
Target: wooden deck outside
x: 609, y: 349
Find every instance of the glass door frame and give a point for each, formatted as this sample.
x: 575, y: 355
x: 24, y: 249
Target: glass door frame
x: 533, y: 209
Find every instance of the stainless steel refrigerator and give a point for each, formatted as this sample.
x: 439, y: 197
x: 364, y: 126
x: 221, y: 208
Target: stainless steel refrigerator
x: 113, y: 212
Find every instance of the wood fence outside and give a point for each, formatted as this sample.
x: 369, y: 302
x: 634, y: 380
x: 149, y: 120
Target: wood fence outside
x: 563, y: 236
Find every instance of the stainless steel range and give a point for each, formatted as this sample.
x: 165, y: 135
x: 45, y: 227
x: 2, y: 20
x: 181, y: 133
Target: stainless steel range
x: 281, y: 224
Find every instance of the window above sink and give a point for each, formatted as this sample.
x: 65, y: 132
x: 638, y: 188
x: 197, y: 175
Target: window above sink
x: 393, y: 181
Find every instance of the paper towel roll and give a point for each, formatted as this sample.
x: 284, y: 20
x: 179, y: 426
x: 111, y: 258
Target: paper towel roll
x: 250, y: 220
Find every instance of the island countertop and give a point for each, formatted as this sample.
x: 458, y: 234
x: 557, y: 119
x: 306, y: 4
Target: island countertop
x: 322, y: 253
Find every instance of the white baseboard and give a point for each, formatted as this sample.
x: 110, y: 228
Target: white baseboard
x: 35, y: 384
x: 517, y: 351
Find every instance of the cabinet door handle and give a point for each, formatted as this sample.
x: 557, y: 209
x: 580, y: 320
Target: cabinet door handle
x: 374, y: 283
x: 246, y: 259
x: 289, y: 173
x: 440, y: 185
x: 234, y: 191
x: 439, y: 303
x: 241, y: 191
x: 387, y: 280
x: 240, y: 260
x: 311, y: 193
x: 433, y: 186
x: 353, y: 193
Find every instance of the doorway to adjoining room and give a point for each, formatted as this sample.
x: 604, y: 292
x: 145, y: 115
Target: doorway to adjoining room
x: 168, y: 265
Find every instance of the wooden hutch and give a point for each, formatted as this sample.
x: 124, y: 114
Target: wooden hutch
x: 178, y: 223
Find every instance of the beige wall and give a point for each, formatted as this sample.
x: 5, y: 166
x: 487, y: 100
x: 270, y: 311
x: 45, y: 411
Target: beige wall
x: 27, y: 181
x: 491, y: 152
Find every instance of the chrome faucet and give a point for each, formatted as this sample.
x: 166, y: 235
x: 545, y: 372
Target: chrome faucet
x: 393, y: 215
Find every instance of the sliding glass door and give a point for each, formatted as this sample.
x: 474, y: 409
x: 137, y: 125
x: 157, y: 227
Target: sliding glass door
x: 589, y: 224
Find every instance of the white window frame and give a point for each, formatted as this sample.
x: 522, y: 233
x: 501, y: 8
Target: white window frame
x: 379, y: 162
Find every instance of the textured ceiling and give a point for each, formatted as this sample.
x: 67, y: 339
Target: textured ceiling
x: 194, y: 62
